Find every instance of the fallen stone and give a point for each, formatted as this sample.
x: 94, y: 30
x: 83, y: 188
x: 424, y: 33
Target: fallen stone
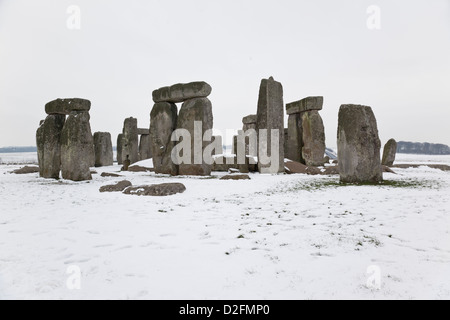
x: 140, y: 169
x: 388, y: 170
x: 307, y: 104
x: 110, y: 175
x: 358, y: 145
x: 389, y: 153
x: 158, y: 190
x: 118, y: 187
x: 66, y: 106
x: 182, y: 92
x: 236, y: 177
x: 293, y: 167
x: 333, y: 170
x: 26, y: 170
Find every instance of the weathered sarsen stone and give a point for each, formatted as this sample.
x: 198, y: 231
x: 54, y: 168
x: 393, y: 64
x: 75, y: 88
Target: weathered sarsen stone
x: 156, y: 190
x: 163, y: 121
x: 389, y: 153
x: 103, y: 149
x: 77, y: 147
x: 270, y: 116
x: 145, y: 147
x: 358, y: 145
x: 182, y: 92
x: 66, y: 106
x: 192, y: 111
x: 48, y: 141
x: 119, y: 148
x: 307, y: 104
x: 295, y: 138
x: 313, y: 139
x: 130, y: 142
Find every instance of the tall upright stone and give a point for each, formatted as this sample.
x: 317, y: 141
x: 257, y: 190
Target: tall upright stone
x: 313, y: 150
x: 358, y: 145
x: 119, y: 149
x: 163, y: 121
x: 77, y: 147
x: 270, y: 116
x: 389, y: 153
x: 196, y: 110
x: 295, y: 138
x: 145, y: 147
x: 103, y: 149
x: 130, y: 142
x: 48, y: 141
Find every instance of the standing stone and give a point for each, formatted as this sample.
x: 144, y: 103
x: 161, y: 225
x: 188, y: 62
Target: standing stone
x: 219, y: 141
x: 145, y: 147
x: 163, y: 121
x: 271, y: 117
x: 249, y: 122
x: 48, y: 141
x: 196, y: 110
x: 234, y: 148
x: 286, y: 145
x: 313, y: 150
x: 389, y: 153
x: 130, y: 144
x: 358, y: 145
x: 76, y: 147
x: 103, y: 149
x: 119, y: 148
x: 295, y: 138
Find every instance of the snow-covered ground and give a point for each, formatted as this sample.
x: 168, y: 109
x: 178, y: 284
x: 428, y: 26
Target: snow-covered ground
x: 273, y: 237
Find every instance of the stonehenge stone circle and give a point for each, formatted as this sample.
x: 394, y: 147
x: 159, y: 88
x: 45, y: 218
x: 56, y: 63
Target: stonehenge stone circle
x: 313, y: 139
x: 270, y: 116
x: 48, y: 141
x: 358, y: 145
x: 66, y: 106
x: 103, y: 149
x: 196, y: 110
x: 119, y: 148
x: 389, y: 153
x: 77, y: 147
x: 182, y: 92
x: 163, y: 121
x: 130, y: 142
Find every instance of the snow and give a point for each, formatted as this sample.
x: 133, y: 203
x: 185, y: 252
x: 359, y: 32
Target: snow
x: 273, y: 237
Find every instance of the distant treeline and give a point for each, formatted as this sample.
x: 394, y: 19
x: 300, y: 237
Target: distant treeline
x: 423, y: 148
x: 18, y: 149
x: 23, y: 149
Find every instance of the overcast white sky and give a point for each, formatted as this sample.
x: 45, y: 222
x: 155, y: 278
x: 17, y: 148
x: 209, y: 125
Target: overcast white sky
x: 126, y: 49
